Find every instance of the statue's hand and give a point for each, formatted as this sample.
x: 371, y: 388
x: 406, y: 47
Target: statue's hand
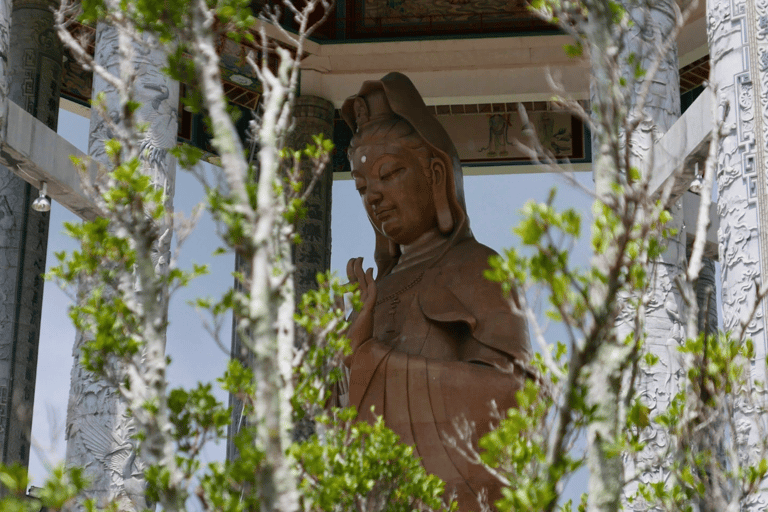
x: 361, y: 322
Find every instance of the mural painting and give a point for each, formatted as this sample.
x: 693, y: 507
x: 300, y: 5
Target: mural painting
x: 493, y: 136
x: 417, y: 15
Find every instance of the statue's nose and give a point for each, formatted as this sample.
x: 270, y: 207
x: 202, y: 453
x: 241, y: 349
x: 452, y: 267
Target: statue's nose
x: 373, y: 195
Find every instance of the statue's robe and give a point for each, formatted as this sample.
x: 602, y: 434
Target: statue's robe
x: 446, y: 343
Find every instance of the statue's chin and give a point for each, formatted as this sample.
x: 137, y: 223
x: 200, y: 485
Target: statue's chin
x: 396, y: 234
x: 390, y: 231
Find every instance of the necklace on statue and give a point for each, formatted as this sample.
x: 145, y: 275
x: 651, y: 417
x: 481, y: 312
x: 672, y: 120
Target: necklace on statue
x: 394, y: 300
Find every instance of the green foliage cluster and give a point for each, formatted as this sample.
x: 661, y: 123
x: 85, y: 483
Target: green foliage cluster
x: 355, y: 466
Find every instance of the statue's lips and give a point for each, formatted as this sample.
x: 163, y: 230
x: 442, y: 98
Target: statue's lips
x: 384, y: 214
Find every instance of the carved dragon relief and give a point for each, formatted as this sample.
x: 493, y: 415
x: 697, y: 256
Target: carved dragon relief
x: 115, y: 450
x: 159, y: 96
x: 99, y: 430
x: 739, y: 237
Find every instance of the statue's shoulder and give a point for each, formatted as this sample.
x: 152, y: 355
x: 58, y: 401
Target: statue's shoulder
x: 469, y: 253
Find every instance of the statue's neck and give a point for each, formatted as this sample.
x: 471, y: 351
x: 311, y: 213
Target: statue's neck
x: 420, y: 250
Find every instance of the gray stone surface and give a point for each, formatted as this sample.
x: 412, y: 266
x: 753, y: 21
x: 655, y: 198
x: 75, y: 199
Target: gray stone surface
x: 691, y: 203
x: 99, y: 428
x: 35, y: 59
x: 34, y: 62
x: 684, y: 145
x: 706, y: 297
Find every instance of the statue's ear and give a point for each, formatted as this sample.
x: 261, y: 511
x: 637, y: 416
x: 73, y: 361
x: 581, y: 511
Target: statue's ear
x: 440, y: 194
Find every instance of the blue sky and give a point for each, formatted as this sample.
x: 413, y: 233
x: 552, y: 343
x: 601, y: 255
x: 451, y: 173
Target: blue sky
x: 492, y: 201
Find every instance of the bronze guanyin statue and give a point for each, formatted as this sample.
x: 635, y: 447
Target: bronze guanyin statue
x: 434, y: 339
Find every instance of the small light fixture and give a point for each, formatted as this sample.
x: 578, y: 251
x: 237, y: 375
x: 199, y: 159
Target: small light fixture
x: 42, y: 203
x: 697, y: 182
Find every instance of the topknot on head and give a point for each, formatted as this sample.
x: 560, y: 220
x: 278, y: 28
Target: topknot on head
x: 371, y: 108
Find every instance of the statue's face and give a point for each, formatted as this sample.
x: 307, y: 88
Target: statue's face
x: 395, y: 189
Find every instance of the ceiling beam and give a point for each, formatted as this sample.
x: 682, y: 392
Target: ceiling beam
x: 36, y: 153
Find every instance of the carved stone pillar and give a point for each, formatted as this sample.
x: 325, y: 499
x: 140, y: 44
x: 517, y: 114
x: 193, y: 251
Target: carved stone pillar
x: 738, y: 38
x: 665, y: 327
x: 34, y: 65
x: 313, y: 116
x: 665, y: 324
x: 98, y: 428
x: 738, y: 48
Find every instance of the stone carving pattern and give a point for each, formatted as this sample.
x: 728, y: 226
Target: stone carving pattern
x: 5, y: 43
x: 737, y: 38
x: 36, y: 61
x: 663, y: 101
x: 98, y: 428
x: 737, y: 168
x: 23, y: 243
x: 761, y: 35
x: 313, y: 116
x: 664, y: 313
x: 665, y: 332
x: 159, y: 96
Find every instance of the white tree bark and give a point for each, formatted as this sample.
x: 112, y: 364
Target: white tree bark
x: 99, y: 429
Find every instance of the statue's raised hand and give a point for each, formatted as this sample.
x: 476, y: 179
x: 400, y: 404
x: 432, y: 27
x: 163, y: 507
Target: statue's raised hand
x: 361, y: 322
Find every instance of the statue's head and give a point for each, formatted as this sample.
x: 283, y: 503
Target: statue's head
x: 404, y: 165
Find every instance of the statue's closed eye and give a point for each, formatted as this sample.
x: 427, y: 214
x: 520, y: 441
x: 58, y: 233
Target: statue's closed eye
x: 391, y: 174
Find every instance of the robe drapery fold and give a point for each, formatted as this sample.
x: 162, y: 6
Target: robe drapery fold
x: 439, y: 365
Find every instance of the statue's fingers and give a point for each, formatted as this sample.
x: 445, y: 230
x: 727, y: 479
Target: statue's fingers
x: 371, y: 284
x: 351, y: 270
x: 360, y: 276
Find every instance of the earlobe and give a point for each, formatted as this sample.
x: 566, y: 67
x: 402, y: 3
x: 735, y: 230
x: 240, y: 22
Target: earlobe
x: 440, y: 194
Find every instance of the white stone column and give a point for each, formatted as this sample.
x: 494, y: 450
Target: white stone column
x: 738, y: 47
x: 664, y: 323
x: 34, y: 66
x: 98, y: 430
x: 738, y: 39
